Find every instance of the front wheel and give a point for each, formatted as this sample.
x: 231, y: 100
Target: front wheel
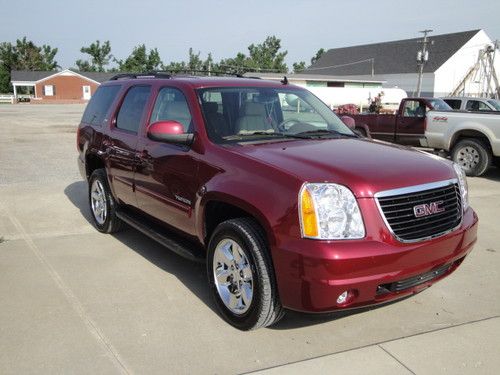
x: 241, y: 276
x: 472, y: 155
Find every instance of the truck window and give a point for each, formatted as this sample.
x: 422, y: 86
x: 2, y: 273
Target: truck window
x: 476, y: 105
x: 132, y: 108
x: 99, y: 105
x: 171, y: 105
x: 414, y: 108
x: 454, y: 103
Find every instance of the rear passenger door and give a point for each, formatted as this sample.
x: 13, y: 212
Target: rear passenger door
x: 166, y: 176
x: 120, y: 145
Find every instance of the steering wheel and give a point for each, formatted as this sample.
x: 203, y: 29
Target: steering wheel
x: 300, y: 127
x: 287, y: 124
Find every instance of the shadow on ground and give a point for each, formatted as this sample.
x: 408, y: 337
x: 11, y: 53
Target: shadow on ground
x: 192, y: 275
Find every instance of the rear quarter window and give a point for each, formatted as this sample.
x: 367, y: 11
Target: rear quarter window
x: 453, y: 103
x: 99, y: 105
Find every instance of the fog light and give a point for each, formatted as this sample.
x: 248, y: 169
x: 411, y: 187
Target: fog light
x: 342, y: 298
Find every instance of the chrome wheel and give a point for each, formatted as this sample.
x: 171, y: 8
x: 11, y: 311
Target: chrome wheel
x: 233, y: 276
x: 468, y: 157
x: 98, y: 202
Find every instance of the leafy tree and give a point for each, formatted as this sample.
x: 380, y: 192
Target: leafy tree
x: 194, y: 65
x: 267, y: 56
x: 316, y: 57
x: 140, y: 60
x: 299, y: 67
x: 24, y: 55
x: 100, y: 56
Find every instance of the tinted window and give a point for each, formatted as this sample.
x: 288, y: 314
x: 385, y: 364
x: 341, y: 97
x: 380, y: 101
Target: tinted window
x: 476, y: 105
x: 171, y: 105
x: 132, y: 109
x: 99, y: 105
x: 453, y: 103
x: 439, y: 105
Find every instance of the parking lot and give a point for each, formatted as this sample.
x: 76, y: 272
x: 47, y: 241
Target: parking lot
x: 73, y: 300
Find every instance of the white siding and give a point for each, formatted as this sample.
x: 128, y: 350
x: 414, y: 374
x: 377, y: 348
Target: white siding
x: 449, y: 75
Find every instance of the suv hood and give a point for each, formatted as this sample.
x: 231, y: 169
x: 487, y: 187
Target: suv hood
x: 365, y: 166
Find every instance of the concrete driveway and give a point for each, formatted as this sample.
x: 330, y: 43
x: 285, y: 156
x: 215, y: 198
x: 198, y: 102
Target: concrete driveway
x: 73, y: 300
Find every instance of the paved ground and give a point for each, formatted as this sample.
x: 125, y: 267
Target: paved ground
x: 76, y: 301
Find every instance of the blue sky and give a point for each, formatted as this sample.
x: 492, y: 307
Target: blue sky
x: 226, y: 27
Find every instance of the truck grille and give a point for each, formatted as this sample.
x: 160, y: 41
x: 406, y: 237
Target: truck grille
x: 422, y: 214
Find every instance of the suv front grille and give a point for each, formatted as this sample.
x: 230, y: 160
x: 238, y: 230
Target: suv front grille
x: 417, y: 215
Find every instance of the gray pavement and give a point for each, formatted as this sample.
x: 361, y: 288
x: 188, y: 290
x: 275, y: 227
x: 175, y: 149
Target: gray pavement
x: 73, y: 300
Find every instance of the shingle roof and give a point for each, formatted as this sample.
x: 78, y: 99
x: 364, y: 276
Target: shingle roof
x: 37, y: 75
x: 389, y: 57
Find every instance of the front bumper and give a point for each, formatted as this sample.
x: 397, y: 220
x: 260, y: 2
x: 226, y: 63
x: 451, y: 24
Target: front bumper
x: 312, y: 274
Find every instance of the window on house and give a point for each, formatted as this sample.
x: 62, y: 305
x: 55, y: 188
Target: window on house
x: 49, y: 90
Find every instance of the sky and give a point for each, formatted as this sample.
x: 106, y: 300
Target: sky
x: 226, y: 27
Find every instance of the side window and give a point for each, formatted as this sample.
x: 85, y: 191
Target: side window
x: 413, y: 108
x: 132, y: 109
x: 453, y: 103
x: 476, y: 105
x: 99, y: 105
x: 171, y: 105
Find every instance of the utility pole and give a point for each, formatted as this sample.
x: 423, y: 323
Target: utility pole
x: 422, y: 58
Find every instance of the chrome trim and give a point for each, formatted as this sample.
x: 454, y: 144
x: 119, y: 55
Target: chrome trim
x: 416, y: 189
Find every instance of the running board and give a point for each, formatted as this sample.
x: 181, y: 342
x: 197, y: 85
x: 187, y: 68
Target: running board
x: 173, y: 242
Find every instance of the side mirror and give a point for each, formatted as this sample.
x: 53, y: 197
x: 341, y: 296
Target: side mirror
x: 169, y: 132
x: 349, y: 121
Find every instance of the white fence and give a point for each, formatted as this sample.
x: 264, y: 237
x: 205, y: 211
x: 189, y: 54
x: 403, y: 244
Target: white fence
x: 6, y: 98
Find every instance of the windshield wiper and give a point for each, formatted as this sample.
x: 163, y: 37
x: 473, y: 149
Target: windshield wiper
x: 322, y: 133
x: 251, y: 134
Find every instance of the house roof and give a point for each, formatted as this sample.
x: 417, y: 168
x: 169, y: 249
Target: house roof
x: 389, y: 57
x: 33, y: 76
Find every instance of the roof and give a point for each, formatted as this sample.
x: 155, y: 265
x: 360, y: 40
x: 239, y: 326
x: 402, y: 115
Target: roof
x: 389, y: 57
x: 37, y: 75
x: 310, y: 77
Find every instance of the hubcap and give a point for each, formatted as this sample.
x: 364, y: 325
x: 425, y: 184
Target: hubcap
x: 233, y: 276
x: 98, y: 202
x: 468, y: 157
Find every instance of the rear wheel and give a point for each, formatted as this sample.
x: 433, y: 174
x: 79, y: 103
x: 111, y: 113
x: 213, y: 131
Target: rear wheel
x: 241, y: 276
x: 102, y: 204
x: 496, y: 161
x: 472, y: 155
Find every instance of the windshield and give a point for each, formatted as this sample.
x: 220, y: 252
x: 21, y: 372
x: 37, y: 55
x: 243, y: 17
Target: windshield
x: 495, y: 103
x: 440, y: 105
x: 256, y: 113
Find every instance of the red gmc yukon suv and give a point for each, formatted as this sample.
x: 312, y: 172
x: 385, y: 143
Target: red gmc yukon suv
x: 262, y: 181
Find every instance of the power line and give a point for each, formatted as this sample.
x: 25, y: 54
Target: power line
x: 346, y: 64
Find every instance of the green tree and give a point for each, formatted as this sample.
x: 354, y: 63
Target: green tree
x: 318, y: 55
x: 24, y: 55
x: 140, y: 60
x: 299, y: 67
x: 100, y: 56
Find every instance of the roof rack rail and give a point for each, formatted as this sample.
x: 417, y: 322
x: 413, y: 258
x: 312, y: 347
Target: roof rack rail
x: 155, y: 74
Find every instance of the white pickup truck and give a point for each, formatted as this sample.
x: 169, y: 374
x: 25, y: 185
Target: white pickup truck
x: 472, y: 139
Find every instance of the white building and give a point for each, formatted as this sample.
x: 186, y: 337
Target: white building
x: 451, y: 56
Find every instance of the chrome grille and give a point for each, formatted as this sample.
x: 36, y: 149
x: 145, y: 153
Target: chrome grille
x: 400, y: 210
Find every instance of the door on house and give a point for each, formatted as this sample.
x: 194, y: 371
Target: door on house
x: 86, y: 92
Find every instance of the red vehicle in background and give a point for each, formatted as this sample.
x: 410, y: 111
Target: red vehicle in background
x: 288, y: 208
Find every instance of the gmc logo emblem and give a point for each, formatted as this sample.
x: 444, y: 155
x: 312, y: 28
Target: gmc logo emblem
x: 428, y: 209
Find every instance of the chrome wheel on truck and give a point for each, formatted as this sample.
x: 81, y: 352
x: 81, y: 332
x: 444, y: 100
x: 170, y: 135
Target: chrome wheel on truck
x: 472, y: 155
x: 241, y: 275
x: 233, y: 276
x: 102, y: 204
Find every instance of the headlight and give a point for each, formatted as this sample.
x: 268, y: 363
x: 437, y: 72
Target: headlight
x: 329, y: 212
x: 462, y: 183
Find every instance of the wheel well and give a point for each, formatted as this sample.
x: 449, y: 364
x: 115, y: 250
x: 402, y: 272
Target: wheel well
x: 92, y: 162
x: 462, y: 134
x: 216, y: 212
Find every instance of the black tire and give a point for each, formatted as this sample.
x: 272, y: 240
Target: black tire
x: 265, y: 308
x: 473, y: 155
x: 109, y: 222
x: 496, y: 161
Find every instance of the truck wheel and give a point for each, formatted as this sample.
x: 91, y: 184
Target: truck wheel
x: 241, y: 276
x: 496, y: 161
x: 102, y: 204
x: 472, y: 155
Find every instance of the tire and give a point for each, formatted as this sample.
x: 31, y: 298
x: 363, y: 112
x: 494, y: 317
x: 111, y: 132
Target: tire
x: 240, y: 244
x: 496, y: 161
x: 102, y: 204
x: 472, y: 155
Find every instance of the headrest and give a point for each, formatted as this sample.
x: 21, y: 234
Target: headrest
x: 254, y: 109
x: 177, y: 110
x: 211, y: 107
